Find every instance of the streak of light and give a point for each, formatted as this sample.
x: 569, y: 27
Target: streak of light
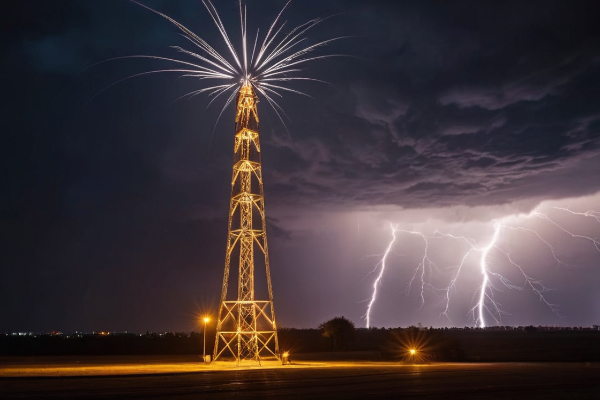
x: 278, y: 60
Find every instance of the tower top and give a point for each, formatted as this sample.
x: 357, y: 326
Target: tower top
x: 247, y: 90
x: 246, y: 112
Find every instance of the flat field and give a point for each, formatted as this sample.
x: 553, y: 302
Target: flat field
x: 184, y: 377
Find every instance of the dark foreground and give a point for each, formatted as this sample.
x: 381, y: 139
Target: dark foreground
x: 350, y: 380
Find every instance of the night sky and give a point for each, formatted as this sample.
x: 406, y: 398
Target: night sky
x: 442, y: 116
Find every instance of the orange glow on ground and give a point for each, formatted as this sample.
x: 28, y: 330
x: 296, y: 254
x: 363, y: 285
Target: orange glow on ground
x: 142, y: 365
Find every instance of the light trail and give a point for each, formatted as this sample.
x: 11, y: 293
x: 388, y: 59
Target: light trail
x: 485, y: 306
x: 269, y: 69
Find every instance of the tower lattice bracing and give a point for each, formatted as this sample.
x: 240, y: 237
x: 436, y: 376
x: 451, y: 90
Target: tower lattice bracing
x: 246, y: 328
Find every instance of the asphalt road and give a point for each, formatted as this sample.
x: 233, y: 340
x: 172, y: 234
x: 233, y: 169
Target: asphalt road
x: 360, y: 380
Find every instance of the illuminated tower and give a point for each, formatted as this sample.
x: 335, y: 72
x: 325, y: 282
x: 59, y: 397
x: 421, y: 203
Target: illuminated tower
x: 246, y: 327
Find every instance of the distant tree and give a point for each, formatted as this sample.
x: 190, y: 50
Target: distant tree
x: 339, y: 330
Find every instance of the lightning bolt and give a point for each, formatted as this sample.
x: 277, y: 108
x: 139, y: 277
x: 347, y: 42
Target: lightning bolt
x: 425, y: 263
x: 381, y: 266
x: 485, y: 304
x: 483, y: 264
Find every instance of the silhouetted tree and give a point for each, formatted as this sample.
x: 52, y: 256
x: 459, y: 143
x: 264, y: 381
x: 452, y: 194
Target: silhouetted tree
x: 339, y: 330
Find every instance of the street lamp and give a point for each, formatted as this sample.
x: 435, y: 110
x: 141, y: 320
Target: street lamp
x: 206, y: 319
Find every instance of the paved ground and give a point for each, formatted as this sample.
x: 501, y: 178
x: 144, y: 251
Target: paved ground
x: 177, y: 378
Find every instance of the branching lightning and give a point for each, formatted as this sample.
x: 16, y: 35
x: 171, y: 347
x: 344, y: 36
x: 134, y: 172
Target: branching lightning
x: 492, y: 255
x: 592, y: 214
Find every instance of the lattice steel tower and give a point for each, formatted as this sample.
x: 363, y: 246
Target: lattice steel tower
x: 246, y: 327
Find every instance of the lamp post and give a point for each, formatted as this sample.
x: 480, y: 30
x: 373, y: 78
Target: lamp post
x: 206, y: 319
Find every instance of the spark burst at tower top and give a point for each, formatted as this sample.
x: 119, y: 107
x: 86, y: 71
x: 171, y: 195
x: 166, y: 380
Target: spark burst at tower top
x: 267, y: 66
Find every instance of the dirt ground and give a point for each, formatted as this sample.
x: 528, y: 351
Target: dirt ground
x: 186, y: 377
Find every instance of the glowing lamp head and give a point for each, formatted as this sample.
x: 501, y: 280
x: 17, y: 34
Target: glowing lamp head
x: 413, y: 352
x: 286, y: 354
x: 206, y: 319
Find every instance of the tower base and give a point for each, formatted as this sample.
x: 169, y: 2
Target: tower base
x: 246, y: 333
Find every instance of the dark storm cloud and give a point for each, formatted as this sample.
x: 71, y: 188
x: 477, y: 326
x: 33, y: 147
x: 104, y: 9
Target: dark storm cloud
x: 114, y: 203
x: 454, y: 104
